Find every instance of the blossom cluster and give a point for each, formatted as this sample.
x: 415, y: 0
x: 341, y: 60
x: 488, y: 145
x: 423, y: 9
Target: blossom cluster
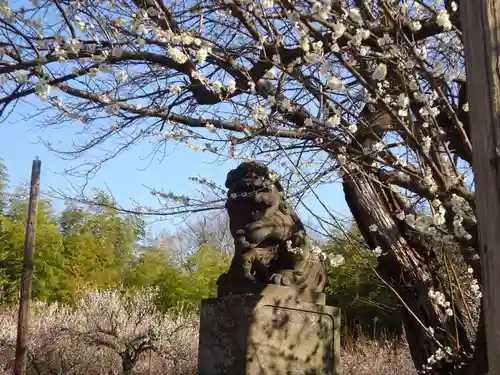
x: 474, y: 286
x: 440, y: 299
x: 439, y: 355
x: 334, y: 260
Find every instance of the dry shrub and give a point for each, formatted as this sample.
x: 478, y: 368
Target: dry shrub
x: 107, y: 332
x: 117, y: 332
x: 366, y: 357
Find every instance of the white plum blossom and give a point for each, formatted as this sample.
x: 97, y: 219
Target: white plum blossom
x: 286, y: 105
x: 176, y: 90
x: 336, y: 260
x: 402, y: 101
x: 378, y: 146
x: 117, y: 51
x: 476, y: 289
x: 443, y: 19
x: 410, y: 219
x: 440, y: 299
x: 267, y: 4
x: 122, y: 76
x: 21, y: 75
x: 452, y: 74
x: 231, y: 86
x: 217, y: 86
x: 271, y: 74
x: 201, y: 54
x: 355, y: 15
x: 211, y: 127
x: 439, y: 216
x: 335, y: 84
x: 261, y: 65
x: 338, y: 30
x: 177, y: 55
x: 415, y: 26
x: 42, y: 88
x: 385, y: 40
x: 258, y: 112
x: 426, y: 144
x: 439, y: 355
x: 377, y: 251
x: 309, y: 122
x: 352, y: 128
x: 333, y: 121
x: 89, y: 336
x: 438, y: 68
x: 380, y: 72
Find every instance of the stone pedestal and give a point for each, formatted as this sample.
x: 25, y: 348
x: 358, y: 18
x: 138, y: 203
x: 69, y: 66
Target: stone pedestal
x: 280, y: 331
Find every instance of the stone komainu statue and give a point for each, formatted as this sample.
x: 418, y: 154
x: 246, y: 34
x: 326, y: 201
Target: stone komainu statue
x: 271, y: 244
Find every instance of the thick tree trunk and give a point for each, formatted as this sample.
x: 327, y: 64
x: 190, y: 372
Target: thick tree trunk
x: 478, y: 364
x: 407, y: 267
x: 128, y: 363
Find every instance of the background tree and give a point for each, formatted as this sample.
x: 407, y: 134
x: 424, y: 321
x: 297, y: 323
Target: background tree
x: 4, y: 179
x: 98, y: 244
x: 371, y: 92
x: 76, y: 250
x: 49, y: 261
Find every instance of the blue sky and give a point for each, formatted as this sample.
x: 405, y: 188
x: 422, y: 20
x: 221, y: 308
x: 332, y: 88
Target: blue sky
x: 127, y: 175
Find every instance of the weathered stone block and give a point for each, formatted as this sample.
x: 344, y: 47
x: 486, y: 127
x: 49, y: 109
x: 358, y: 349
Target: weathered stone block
x: 280, y: 331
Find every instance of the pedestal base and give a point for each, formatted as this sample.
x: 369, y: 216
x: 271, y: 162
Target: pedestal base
x: 280, y: 331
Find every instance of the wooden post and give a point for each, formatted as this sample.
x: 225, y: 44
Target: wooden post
x: 27, y: 273
x: 480, y: 21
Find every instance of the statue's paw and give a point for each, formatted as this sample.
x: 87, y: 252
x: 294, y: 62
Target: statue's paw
x: 287, y: 273
x: 255, y: 225
x: 279, y: 279
x: 241, y: 243
x: 276, y: 279
x: 251, y: 278
x: 244, y: 246
x: 285, y: 281
x: 248, y: 275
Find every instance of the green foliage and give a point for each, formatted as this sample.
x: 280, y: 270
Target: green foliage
x: 150, y: 267
x: 179, y: 288
x: 195, y: 281
x: 368, y: 307
x: 49, y: 262
x: 98, y: 246
x: 79, y: 249
x: 202, y: 270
